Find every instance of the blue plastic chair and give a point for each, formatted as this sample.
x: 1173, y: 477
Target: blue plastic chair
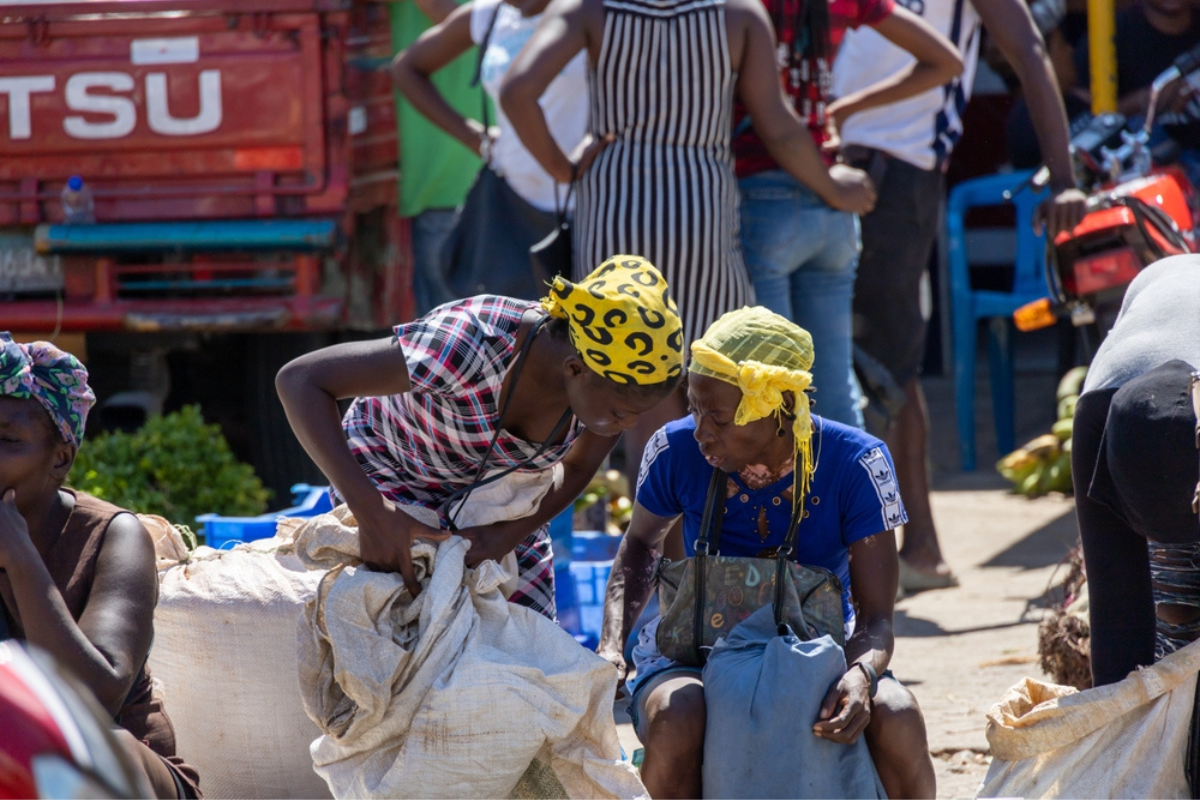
x: 968, y: 305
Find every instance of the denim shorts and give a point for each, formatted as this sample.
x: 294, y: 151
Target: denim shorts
x: 637, y: 710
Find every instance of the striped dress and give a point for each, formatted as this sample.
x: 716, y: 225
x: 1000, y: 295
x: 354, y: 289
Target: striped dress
x: 665, y: 189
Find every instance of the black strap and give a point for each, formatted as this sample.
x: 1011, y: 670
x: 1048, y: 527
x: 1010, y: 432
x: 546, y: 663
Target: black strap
x: 709, y: 539
x: 560, y: 211
x: 5, y: 626
x: 460, y: 495
x: 1191, y: 764
x: 487, y: 37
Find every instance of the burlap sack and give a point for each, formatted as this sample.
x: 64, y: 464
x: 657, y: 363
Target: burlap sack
x: 225, y: 655
x: 1126, y: 739
x: 454, y: 694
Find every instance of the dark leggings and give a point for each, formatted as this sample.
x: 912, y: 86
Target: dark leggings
x: 1120, y: 599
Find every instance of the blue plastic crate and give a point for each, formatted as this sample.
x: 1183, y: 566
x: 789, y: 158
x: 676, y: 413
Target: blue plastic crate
x: 591, y: 578
x: 579, y: 592
x: 567, y: 602
x: 594, y: 546
x: 221, y: 532
x: 561, y: 537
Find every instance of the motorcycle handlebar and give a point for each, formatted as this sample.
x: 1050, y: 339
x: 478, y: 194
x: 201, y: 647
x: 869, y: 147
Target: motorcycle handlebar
x: 1183, y: 65
x: 1188, y: 62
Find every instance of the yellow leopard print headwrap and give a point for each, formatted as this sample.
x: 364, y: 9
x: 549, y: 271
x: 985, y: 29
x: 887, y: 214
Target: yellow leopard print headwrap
x: 622, y: 321
x: 764, y: 355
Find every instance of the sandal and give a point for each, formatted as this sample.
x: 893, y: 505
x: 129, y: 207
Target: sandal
x: 914, y: 580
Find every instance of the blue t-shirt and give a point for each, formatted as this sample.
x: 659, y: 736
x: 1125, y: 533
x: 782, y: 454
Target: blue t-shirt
x: 853, y: 496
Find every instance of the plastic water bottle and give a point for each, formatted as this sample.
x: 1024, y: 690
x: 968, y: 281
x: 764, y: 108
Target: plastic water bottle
x: 77, y: 205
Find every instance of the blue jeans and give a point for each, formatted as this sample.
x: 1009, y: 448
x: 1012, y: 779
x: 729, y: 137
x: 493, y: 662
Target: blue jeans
x: 429, y: 231
x: 802, y: 256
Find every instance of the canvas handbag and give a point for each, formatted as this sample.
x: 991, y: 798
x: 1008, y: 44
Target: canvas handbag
x: 705, y: 597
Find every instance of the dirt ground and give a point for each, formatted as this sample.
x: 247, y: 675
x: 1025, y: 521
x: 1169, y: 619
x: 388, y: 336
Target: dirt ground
x: 960, y: 649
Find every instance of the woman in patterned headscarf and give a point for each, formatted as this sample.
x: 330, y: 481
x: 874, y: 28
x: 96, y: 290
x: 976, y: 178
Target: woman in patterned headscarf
x: 77, y: 575
x: 750, y: 419
x: 484, y: 384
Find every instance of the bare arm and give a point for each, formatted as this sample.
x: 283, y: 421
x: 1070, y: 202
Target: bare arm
x: 787, y: 139
x: 580, y: 464
x: 108, y: 646
x: 567, y: 27
x: 630, y: 583
x: 874, y: 574
x: 309, y: 388
x: 938, y: 62
x: 1010, y: 24
x: 436, y: 10
x: 412, y: 68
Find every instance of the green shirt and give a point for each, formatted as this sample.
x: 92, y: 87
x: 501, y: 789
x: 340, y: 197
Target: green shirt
x: 436, y: 170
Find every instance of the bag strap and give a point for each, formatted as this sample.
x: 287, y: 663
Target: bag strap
x: 5, y: 632
x: 710, y: 522
x: 1191, y: 765
x: 709, y: 539
x: 475, y: 81
x: 460, y: 495
x: 1194, y: 389
x: 714, y: 514
x: 560, y: 212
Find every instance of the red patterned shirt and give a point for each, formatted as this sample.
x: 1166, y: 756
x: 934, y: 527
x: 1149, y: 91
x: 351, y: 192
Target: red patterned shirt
x: 420, y: 446
x: 806, y: 84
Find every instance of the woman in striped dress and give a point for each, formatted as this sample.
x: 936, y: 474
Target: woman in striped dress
x: 657, y: 176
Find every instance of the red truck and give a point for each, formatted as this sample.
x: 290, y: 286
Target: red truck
x: 242, y: 156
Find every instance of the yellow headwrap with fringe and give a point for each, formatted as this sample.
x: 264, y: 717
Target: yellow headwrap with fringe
x: 622, y: 321
x: 764, y: 355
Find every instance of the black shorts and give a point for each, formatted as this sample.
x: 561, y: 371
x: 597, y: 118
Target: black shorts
x: 897, y: 239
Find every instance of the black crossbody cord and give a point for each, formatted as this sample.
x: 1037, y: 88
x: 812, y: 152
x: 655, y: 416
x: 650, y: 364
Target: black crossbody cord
x: 460, y: 495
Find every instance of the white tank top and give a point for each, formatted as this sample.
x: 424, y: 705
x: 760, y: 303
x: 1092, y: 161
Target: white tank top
x: 921, y: 130
x: 565, y: 103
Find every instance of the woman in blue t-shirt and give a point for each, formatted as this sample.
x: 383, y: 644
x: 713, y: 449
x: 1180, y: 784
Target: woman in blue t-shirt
x: 750, y: 419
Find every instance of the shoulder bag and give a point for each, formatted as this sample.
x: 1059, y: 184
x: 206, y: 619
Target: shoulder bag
x: 491, y: 248
x: 704, y: 597
x: 553, y: 255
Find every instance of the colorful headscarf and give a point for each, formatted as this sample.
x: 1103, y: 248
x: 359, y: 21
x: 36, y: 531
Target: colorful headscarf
x: 764, y: 355
x: 51, y: 376
x: 622, y: 321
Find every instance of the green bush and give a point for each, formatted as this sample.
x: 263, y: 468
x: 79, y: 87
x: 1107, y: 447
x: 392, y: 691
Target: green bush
x: 175, y: 466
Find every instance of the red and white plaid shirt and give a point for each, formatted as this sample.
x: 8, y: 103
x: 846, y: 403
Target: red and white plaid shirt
x: 420, y: 446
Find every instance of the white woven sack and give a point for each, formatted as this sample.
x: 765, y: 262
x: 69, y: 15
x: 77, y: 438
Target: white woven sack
x: 451, y: 695
x: 1127, y: 739
x: 225, y: 654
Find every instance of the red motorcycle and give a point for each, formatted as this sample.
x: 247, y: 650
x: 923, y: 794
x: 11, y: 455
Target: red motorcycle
x: 54, y: 738
x: 1139, y: 211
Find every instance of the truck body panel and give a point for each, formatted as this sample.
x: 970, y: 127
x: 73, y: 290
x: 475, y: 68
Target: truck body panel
x: 195, y: 111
